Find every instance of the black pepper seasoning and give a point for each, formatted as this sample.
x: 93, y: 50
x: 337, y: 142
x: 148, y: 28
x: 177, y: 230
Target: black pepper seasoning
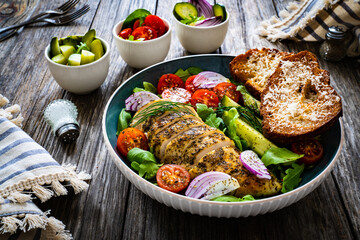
x: 334, y: 47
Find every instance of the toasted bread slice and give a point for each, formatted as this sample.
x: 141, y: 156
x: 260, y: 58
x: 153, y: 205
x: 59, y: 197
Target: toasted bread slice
x: 298, y: 101
x: 254, y: 68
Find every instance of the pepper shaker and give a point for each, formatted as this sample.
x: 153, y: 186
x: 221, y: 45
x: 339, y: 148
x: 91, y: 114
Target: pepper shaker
x: 334, y: 47
x: 61, y: 115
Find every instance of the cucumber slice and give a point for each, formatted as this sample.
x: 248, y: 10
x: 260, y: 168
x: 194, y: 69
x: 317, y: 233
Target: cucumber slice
x: 74, y: 59
x: 54, y: 47
x: 67, y: 50
x: 60, y: 59
x: 87, y: 57
x: 228, y: 102
x: 89, y: 37
x: 219, y: 10
x: 184, y: 10
x: 97, y: 48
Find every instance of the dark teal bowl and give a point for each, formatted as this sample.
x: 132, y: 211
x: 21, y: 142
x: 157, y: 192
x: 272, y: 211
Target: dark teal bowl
x: 332, y: 140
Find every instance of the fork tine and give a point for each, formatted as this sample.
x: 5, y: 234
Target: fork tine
x: 74, y: 15
x: 64, y: 5
x: 70, y: 4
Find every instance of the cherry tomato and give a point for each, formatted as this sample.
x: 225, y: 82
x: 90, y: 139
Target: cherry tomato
x: 206, y: 97
x: 189, y: 84
x: 144, y: 32
x: 228, y: 89
x: 169, y: 81
x: 125, y: 33
x: 130, y: 138
x: 137, y: 24
x: 156, y: 23
x: 312, y: 149
x: 176, y: 94
x: 172, y: 177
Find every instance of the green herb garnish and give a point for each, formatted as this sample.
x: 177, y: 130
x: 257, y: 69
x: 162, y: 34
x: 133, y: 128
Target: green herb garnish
x: 82, y: 46
x: 160, y: 107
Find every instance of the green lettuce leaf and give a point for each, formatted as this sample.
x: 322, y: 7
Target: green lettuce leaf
x: 203, y: 111
x: 123, y: 121
x: 183, y: 74
x: 149, y: 87
x: 194, y: 70
x: 209, y: 117
x: 279, y: 156
x: 144, y: 162
x: 292, y: 178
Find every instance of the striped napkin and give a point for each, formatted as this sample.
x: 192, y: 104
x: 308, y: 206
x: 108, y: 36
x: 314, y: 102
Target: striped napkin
x: 27, y: 171
x: 308, y: 20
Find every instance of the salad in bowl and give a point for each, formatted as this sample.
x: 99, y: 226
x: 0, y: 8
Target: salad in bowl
x: 190, y: 137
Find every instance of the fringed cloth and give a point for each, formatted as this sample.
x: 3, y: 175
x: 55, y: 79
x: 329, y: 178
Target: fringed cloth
x: 27, y: 170
x: 309, y: 20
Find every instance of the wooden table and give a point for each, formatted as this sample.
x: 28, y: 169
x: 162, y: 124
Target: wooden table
x: 113, y: 208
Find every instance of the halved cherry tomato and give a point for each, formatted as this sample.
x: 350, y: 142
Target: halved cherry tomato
x: 137, y: 24
x: 130, y: 138
x: 206, y: 97
x: 173, y: 177
x: 125, y: 33
x: 312, y: 149
x: 228, y: 89
x: 176, y: 94
x: 156, y: 23
x: 189, y: 84
x: 144, y: 32
x: 169, y: 81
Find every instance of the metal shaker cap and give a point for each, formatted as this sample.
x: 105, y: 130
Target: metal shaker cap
x: 336, y: 32
x: 68, y: 133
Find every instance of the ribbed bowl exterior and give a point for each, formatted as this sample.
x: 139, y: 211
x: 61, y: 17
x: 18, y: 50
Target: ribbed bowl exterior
x: 333, y: 142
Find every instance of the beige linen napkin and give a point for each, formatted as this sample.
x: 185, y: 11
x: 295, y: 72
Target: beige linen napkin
x: 27, y: 170
x: 308, y: 20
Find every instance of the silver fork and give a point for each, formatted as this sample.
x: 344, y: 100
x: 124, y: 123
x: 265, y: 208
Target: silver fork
x: 64, y: 8
x: 59, y: 20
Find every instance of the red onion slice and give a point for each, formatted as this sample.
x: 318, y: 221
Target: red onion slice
x: 204, y: 8
x: 212, y: 21
x: 253, y: 163
x: 208, y: 79
x: 210, y: 185
x: 136, y: 100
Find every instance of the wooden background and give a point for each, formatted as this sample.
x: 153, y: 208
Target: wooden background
x: 113, y: 208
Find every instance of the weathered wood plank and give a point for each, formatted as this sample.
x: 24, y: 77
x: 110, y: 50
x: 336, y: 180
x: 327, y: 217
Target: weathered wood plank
x: 113, y: 208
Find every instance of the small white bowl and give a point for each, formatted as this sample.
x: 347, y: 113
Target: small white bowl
x: 81, y: 79
x: 141, y: 54
x: 201, y: 39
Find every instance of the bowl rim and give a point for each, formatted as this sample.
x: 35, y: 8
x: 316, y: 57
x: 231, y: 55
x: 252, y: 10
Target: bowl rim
x: 199, y: 201
x: 107, y: 52
x: 115, y: 34
x: 207, y: 27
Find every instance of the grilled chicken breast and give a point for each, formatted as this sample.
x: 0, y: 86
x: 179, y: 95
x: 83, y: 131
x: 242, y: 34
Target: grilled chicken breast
x: 181, y: 137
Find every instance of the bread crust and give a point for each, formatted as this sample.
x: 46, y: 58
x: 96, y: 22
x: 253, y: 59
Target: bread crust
x: 298, y: 102
x: 247, y: 68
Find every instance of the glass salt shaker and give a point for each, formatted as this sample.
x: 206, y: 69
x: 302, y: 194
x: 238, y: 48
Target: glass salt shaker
x: 334, y: 47
x: 61, y: 115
